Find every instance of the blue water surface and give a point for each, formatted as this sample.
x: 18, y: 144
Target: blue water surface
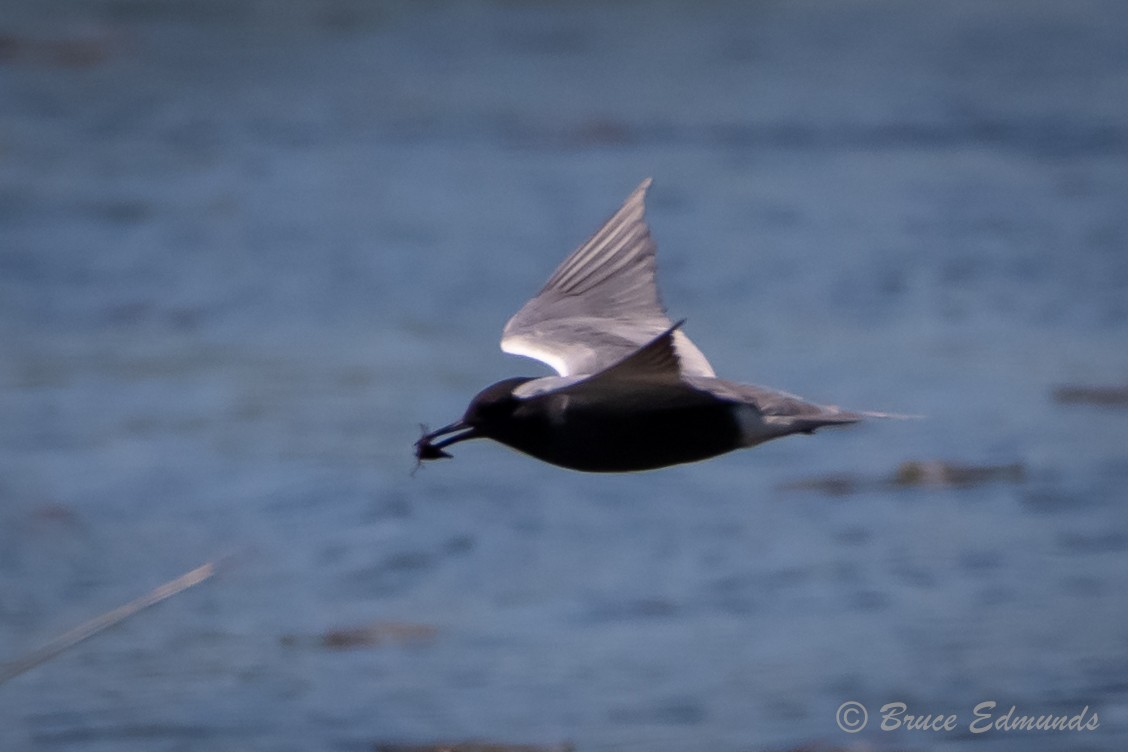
x: 246, y: 248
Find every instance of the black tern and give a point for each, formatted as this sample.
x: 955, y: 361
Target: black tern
x: 632, y: 392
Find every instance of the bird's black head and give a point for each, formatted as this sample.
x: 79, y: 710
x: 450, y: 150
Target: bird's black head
x: 492, y: 407
x: 488, y: 415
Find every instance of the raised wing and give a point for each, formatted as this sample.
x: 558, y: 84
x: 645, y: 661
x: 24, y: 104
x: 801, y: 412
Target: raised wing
x: 601, y: 304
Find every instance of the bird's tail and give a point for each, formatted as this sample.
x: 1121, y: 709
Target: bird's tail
x: 890, y: 416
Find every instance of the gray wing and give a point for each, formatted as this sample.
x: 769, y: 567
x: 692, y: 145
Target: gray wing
x: 601, y: 304
x: 772, y: 413
x: 771, y: 401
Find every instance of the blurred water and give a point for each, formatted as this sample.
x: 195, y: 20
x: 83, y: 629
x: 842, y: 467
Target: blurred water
x: 245, y: 248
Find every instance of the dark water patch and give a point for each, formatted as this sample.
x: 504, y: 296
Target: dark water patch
x: 1077, y: 492
x: 674, y: 711
x: 376, y: 634
x: 979, y: 561
x: 607, y: 609
x: 854, y: 536
x: 1093, y: 542
x: 471, y: 746
x: 732, y: 594
x: 993, y: 596
x: 74, y: 52
x: 556, y: 39
x: 1050, y: 140
x: 393, y: 574
x: 868, y: 600
x: 1099, y: 396
x: 914, y: 574
x: 128, y: 733
x: 1085, y: 586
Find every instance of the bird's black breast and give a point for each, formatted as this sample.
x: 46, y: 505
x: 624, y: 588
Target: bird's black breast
x: 623, y: 430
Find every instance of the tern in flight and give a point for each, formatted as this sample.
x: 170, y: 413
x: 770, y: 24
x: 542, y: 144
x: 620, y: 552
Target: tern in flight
x: 632, y: 391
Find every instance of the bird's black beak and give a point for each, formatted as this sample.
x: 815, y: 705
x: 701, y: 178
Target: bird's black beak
x: 428, y: 449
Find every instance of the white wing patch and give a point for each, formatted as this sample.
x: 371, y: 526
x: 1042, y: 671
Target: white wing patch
x: 693, y: 361
x: 530, y: 348
x: 544, y: 385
